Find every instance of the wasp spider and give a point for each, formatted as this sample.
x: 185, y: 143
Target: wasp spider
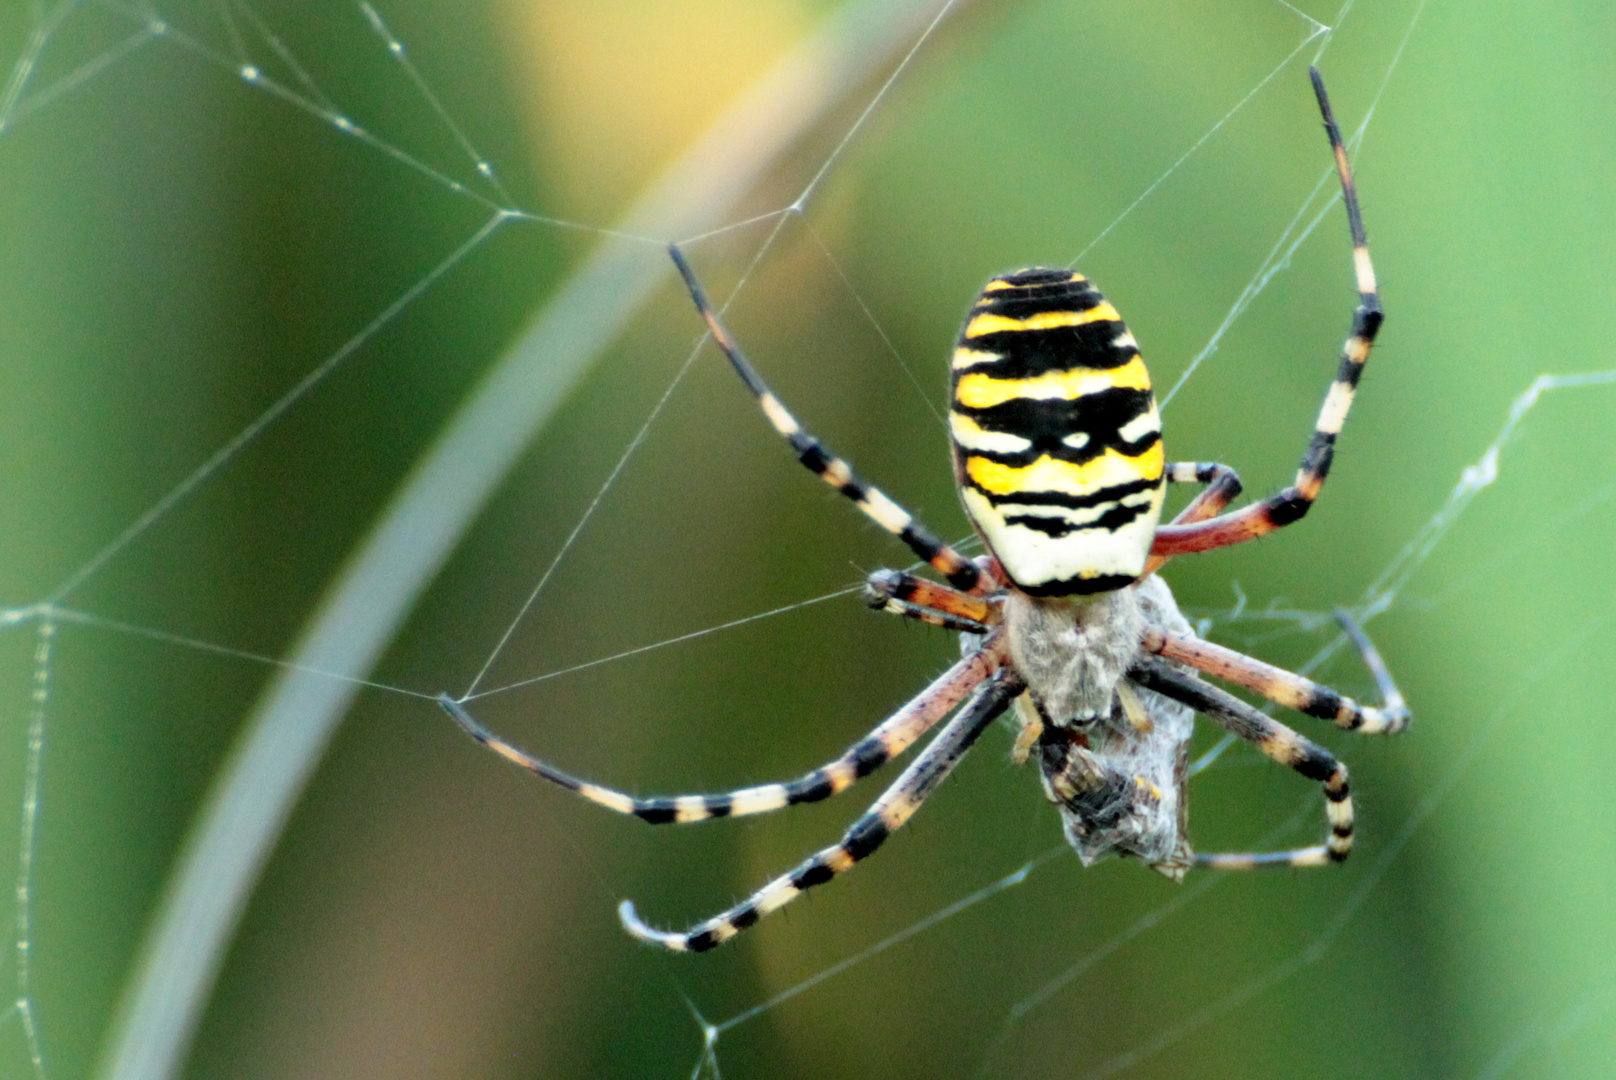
x: 1058, y: 455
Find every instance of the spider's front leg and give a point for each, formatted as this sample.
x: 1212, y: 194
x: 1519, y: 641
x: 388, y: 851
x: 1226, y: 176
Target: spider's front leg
x: 959, y: 571
x: 1292, y: 503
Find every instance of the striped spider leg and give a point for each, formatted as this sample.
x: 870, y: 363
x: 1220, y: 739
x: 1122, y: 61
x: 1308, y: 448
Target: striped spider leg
x: 899, y: 592
x: 955, y: 568
x: 1289, y: 689
x: 1270, y: 736
x: 890, y: 738
x: 1273, y: 739
x: 1210, y: 531
x: 1291, y: 504
x: 888, y: 813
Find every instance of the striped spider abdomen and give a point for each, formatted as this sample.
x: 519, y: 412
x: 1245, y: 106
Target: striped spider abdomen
x: 1057, y: 441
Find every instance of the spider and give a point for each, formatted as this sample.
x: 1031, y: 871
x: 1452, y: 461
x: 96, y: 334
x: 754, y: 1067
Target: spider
x: 1058, y: 455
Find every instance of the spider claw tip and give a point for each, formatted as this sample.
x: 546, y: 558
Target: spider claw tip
x: 632, y: 923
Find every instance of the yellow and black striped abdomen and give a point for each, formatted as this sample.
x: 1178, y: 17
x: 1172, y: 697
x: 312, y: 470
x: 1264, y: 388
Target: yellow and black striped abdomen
x: 1057, y: 442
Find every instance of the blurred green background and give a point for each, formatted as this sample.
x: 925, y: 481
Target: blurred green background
x: 180, y: 247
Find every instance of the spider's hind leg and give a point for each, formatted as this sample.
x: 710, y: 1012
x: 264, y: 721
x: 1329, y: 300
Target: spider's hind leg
x: 890, y: 738
x: 1292, y: 690
x: 889, y: 813
x: 1278, y: 742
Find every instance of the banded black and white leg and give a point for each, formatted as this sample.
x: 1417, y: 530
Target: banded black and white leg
x: 1289, y: 689
x: 888, y: 814
x: 1279, y: 743
x: 889, y: 739
x: 1291, y: 504
x: 955, y: 568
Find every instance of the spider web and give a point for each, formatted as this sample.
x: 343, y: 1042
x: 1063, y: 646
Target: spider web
x: 271, y: 347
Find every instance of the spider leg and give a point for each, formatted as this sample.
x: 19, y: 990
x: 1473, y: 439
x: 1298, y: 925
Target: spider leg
x: 1391, y: 699
x: 1293, y: 502
x: 902, y: 593
x: 960, y: 571
x: 1222, y: 488
x: 892, y: 737
x: 1278, y: 742
x: 1289, y: 689
x: 889, y: 813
